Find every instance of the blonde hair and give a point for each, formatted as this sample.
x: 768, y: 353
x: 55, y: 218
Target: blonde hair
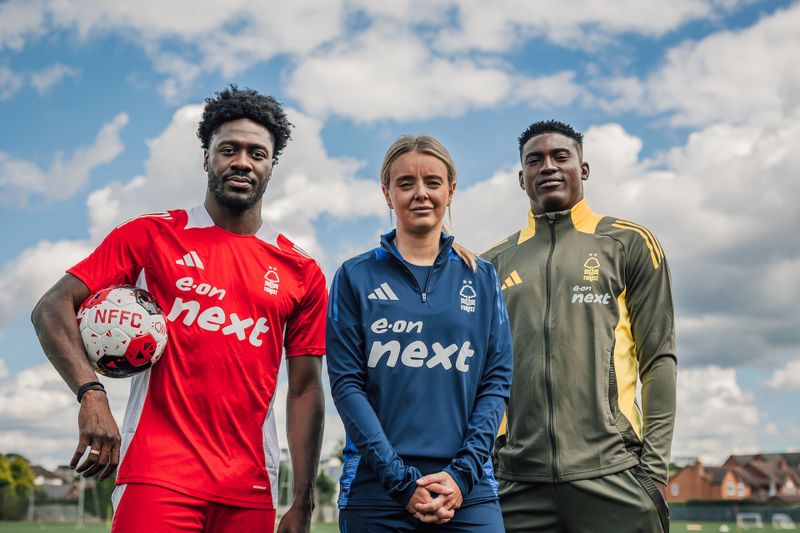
x: 425, y: 144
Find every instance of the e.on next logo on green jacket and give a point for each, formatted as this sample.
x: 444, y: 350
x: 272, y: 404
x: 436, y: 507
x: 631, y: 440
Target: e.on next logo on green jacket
x: 585, y: 295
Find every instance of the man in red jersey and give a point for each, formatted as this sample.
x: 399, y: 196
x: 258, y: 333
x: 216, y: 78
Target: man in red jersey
x: 198, y: 449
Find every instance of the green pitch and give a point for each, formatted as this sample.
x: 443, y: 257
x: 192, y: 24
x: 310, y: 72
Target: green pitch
x: 675, y: 527
x: 23, y: 527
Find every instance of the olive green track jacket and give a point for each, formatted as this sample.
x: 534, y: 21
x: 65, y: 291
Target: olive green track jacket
x: 590, y: 305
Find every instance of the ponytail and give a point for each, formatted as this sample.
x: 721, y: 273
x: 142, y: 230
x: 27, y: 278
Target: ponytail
x: 465, y: 255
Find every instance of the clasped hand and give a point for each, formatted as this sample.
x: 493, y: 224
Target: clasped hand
x: 436, y: 499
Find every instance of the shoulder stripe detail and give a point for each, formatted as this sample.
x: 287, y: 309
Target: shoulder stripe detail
x: 656, y: 244
x: 164, y: 215
x: 654, y: 252
x: 300, y: 251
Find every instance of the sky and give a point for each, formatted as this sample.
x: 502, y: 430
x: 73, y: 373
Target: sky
x: 691, y: 115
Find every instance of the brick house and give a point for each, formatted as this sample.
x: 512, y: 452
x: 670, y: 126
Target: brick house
x: 759, y: 478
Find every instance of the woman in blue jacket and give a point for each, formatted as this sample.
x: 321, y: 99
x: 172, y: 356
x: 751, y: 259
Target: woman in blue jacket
x: 419, y: 358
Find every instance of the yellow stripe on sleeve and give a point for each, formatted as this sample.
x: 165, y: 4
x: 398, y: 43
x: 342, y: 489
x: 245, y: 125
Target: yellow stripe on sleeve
x: 653, y: 254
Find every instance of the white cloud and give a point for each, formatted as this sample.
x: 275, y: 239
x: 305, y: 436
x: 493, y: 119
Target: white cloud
x: 41, y: 414
x: 388, y: 73
x: 26, y: 278
x: 225, y: 38
x: 715, y: 417
x: 10, y: 83
x: 49, y: 77
x: 42, y: 81
x: 20, y: 179
x: 787, y: 378
x: 735, y: 77
x: 21, y: 20
x: 499, y: 195
x: 501, y: 25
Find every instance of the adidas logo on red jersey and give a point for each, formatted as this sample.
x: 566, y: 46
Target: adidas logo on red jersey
x: 191, y: 259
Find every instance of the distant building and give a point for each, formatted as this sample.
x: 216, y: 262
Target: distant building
x: 53, y: 484
x: 760, y: 478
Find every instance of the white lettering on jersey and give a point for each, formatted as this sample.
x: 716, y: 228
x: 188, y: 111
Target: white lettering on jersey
x: 382, y: 325
x: 187, y: 284
x: 585, y: 295
x: 416, y: 353
x: 213, y: 318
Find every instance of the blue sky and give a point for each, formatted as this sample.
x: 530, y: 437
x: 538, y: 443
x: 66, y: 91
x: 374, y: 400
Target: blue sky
x: 691, y: 111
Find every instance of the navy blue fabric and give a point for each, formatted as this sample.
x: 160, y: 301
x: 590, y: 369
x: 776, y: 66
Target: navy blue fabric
x: 421, y: 380
x: 420, y: 272
x: 479, y: 518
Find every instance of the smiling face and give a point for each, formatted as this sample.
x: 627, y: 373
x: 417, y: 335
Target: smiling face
x: 552, y: 173
x: 419, y: 191
x: 239, y: 163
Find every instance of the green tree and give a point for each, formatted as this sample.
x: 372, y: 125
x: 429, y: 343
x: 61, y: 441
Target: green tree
x: 326, y: 488
x: 16, y: 486
x: 7, y: 492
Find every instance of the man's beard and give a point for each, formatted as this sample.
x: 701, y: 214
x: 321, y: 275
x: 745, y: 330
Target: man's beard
x: 235, y: 202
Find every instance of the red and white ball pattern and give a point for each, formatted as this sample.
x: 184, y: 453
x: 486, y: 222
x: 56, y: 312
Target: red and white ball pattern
x: 123, y: 329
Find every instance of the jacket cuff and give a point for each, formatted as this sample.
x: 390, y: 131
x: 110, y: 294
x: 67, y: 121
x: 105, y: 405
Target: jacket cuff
x: 403, y: 491
x: 458, y: 476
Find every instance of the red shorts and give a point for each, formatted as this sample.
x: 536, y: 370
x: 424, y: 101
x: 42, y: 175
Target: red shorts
x: 139, y: 507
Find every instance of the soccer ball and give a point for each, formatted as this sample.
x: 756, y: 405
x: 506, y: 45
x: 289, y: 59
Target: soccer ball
x: 123, y: 330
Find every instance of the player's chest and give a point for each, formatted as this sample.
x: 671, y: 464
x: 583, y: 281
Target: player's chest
x: 575, y: 271
x: 222, y: 278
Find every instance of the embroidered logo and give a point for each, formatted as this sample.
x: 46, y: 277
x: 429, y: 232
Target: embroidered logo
x: 384, y: 292
x: 468, y: 297
x: 271, y: 281
x: 591, y: 268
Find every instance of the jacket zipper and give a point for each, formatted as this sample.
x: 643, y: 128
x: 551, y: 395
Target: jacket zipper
x: 422, y: 292
x: 548, y: 383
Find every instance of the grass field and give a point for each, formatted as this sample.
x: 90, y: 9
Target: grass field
x: 676, y: 527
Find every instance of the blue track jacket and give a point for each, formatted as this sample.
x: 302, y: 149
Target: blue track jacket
x: 420, y: 375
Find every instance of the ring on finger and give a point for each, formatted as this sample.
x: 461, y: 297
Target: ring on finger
x: 94, y: 452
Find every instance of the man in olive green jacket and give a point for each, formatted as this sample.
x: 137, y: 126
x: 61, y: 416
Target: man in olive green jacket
x: 590, y: 306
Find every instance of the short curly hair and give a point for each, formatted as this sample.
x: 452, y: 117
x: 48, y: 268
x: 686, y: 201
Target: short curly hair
x: 551, y: 126
x: 234, y: 103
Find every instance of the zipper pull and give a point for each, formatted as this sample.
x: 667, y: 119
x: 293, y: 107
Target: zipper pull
x: 424, y: 297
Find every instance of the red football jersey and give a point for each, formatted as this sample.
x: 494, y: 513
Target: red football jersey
x: 200, y: 421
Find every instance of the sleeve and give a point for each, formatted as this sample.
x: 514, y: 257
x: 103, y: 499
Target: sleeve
x: 305, y: 330
x: 120, y: 258
x: 466, y: 468
x: 348, y: 373
x: 649, y: 298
